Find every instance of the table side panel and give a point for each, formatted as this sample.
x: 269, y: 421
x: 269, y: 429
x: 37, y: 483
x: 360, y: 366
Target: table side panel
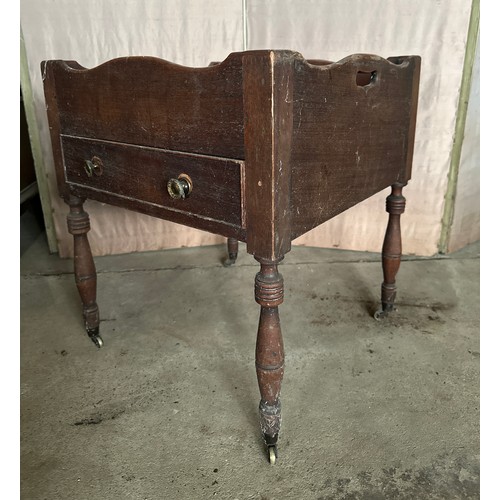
x: 352, y: 135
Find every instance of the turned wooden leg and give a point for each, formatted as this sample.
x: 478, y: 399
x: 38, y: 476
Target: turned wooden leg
x: 232, y: 251
x: 391, y: 250
x: 269, y: 353
x: 85, y: 273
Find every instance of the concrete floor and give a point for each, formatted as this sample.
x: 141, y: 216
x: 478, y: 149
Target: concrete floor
x: 167, y: 409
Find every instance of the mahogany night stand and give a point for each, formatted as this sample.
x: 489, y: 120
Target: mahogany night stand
x: 259, y: 148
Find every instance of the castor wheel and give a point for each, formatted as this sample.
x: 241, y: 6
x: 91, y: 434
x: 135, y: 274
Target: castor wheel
x: 97, y: 341
x: 93, y: 333
x: 384, y: 311
x: 272, y: 452
x: 380, y: 314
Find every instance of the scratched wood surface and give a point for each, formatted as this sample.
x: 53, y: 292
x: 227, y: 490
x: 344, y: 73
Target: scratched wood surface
x: 152, y: 102
x: 316, y: 137
x: 268, y: 104
x: 140, y: 174
x: 353, y: 133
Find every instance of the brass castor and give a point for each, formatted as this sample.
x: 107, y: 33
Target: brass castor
x: 272, y: 452
x: 97, y: 341
x: 383, y: 312
x: 95, y: 337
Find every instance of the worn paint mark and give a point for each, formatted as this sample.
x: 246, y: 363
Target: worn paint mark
x: 301, y: 105
x: 98, y: 418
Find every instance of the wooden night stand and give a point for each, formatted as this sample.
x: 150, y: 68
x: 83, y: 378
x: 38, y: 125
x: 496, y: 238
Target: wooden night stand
x: 259, y: 148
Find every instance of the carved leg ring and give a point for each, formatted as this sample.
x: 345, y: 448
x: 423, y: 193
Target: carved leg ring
x: 232, y: 250
x: 85, y: 273
x: 391, y: 250
x: 269, y: 353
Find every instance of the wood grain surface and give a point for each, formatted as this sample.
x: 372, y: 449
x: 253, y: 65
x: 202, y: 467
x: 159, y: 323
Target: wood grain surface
x: 140, y: 174
x: 352, y: 135
x: 316, y: 137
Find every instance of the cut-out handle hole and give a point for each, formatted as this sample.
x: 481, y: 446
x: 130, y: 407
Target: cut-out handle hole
x: 364, y: 78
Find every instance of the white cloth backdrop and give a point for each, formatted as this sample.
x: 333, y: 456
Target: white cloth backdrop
x: 434, y: 29
x: 466, y: 220
x: 197, y: 32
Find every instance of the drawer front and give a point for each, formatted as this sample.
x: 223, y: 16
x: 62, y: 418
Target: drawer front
x: 142, y: 173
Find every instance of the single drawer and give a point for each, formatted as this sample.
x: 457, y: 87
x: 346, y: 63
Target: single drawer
x: 142, y: 174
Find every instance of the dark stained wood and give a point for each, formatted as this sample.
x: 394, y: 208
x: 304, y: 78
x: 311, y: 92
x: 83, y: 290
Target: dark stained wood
x: 411, y: 119
x: 317, y: 137
x: 268, y: 105
x: 392, y: 247
x: 152, y: 102
x: 140, y: 174
x: 49, y: 86
x: 269, y: 352
x: 85, y: 273
x: 351, y: 138
x: 184, y: 218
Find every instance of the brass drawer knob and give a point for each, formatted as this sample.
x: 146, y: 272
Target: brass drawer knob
x: 93, y: 167
x: 180, y: 188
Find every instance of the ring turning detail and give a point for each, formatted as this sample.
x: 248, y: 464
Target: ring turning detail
x: 269, y: 352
